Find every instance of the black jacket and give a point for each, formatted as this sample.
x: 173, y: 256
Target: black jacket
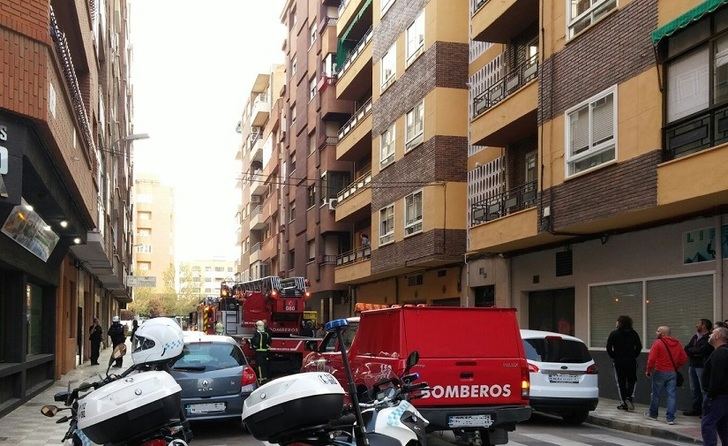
x: 715, y: 373
x: 698, y: 350
x: 260, y: 341
x: 116, y: 332
x: 624, y: 344
x: 95, y: 332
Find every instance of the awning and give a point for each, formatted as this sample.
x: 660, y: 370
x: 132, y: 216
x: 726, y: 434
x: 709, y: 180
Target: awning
x: 340, y: 48
x: 686, y: 19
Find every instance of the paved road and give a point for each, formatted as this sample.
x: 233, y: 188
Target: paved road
x: 540, y: 431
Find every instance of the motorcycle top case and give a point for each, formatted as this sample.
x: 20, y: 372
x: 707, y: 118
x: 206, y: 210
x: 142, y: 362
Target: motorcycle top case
x: 129, y: 408
x: 293, y: 403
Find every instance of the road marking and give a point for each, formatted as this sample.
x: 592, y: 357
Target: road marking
x: 555, y: 440
x: 616, y: 440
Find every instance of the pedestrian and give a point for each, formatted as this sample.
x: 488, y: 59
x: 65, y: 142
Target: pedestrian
x: 715, y: 386
x: 261, y: 344
x: 624, y: 346
x: 134, y: 326
x: 665, y: 358
x: 720, y: 324
x: 698, y: 350
x: 364, y: 240
x: 307, y: 329
x: 320, y: 331
x: 95, y: 335
x: 116, y: 333
x: 219, y: 328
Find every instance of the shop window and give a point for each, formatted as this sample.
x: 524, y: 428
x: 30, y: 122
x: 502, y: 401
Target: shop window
x: 607, y: 303
x: 591, y: 129
x: 34, y: 302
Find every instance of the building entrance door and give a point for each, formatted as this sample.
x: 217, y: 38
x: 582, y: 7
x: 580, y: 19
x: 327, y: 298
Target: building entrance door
x: 552, y: 310
x: 79, y: 336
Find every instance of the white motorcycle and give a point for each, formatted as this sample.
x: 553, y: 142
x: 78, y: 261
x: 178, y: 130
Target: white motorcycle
x: 306, y: 408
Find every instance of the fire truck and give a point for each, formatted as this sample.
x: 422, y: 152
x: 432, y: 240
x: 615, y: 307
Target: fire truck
x: 281, y: 303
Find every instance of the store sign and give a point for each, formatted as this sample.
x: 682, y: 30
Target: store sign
x: 141, y: 281
x: 30, y: 231
x: 13, y: 138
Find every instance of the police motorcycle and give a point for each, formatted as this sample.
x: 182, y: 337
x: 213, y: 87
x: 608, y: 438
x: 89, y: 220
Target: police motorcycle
x: 141, y: 406
x: 306, y: 408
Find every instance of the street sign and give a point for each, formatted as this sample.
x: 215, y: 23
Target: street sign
x: 141, y: 281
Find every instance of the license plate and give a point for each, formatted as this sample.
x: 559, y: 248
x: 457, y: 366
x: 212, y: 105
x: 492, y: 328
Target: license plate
x: 194, y: 409
x: 470, y: 421
x: 563, y: 378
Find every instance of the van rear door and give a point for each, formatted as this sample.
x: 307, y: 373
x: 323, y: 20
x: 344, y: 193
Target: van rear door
x: 468, y: 356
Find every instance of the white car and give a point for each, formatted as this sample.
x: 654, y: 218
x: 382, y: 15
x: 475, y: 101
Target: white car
x: 563, y: 375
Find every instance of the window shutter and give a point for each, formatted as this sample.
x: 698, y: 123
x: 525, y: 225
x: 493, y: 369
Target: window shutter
x: 607, y: 303
x: 579, y: 130
x: 677, y: 302
x: 602, y: 120
x: 687, y: 90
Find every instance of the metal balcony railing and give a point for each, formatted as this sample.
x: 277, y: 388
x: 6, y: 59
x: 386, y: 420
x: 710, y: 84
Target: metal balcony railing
x: 255, y: 211
x: 357, y: 117
x: 352, y: 56
x: 358, y: 184
x: 69, y: 74
x: 255, y: 248
x: 524, y: 72
x: 501, y: 204
x: 696, y: 132
x: 354, y: 256
x: 254, y: 137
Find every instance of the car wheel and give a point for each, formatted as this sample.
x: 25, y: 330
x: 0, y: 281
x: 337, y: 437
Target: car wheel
x: 576, y: 417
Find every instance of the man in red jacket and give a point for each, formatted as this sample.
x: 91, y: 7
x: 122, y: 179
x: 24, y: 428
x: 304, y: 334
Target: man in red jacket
x: 665, y: 358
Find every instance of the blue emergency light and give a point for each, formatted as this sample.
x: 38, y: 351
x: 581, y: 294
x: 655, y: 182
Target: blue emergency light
x: 336, y: 323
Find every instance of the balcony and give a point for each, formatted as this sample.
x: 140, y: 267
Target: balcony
x: 270, y: 206
x: 502, y: 204
x: 260, y: 110
x: 269, y: 249
x: 256, y: 221
x: 355, y: 73
x: 355, y: 135
x: 506, y: 110
x: 354, y: 197
x: 697, y: 132
x: 500, y: 21
x: 330, y: 108
x: 255, y: 145
x: 353, y: 266
x: 257, y: 182
x: 254, y: 253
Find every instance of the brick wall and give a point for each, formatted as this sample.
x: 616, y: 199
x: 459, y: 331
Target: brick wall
x: 28, y: 17
x: 23, y: 83
x: 396, y: 21
x: 614, y: 50
x: 439, y: 244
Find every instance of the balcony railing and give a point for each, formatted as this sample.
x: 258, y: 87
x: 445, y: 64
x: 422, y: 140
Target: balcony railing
x: 351, y: 57
x: 357, y: 117
x: 354, y: 256
x: 696, y: 132
x: 355, y: 186
x: 342, y: 5
x: 501, y: 204
x: 329, y: 260
x: 255, y: 248
x: 507, y: 85
x: 69, y: 74
x: 255, y: 211
x: 254, y: 137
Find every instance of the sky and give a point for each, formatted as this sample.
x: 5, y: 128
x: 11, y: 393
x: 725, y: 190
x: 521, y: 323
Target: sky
x: 193, y: 66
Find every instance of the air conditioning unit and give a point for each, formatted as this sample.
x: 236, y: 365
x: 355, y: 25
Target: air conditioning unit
x: 332, y: 202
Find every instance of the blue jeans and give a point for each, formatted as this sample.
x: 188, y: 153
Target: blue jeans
x: 697, y: 388
x: 715, y: 420
x: 663, y: 381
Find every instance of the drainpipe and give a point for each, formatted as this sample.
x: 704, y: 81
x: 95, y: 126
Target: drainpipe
x: 720, y: 220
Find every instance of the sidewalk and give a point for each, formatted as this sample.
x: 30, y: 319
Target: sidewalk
x: 27, y: 426
x: 687, y: 429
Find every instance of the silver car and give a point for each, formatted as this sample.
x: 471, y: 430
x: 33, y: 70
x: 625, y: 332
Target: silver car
x: 215, y: 377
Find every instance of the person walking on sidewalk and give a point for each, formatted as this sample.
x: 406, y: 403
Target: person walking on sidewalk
x: 665, y: 358
x: 624, y: 346
x: 715, y: 386
x: 95, y: 335
x: 261, y: 343
x: 116, y: 333
x: 698, y: 350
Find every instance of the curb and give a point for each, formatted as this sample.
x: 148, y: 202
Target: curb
x: 642, y: 430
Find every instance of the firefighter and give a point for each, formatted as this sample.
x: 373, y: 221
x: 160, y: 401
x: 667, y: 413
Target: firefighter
x: 261, y: 343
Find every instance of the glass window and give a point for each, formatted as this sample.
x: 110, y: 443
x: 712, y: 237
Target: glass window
x: 413, y: 213
x: 416, y: 38
x: 556, y: 349
x: 312, y: 33
x: 415, y: 119
x: 292, y: 259
x: 210, y: 356
x: 144, y: 215
x: 293, y: 115
x: 582, y: 13
x: 144, y: 266
x: 607, y: 303
x: 678, y: 303
x: 311, y: 195
x: 294, y: 65
x: 144, y: 232
x: 591, y: 128
x: 386, y: 225
x: 293, y: 212
x: 312, y: 88
x: 386, y: 143
x: 34, y: 302
x: 688, y: 84
x: 385, y: 5
x: 389, y: 66
x: 311, y: 250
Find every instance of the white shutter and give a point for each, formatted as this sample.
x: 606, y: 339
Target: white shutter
x: 607, y: 303
x: 678, y: 303
x: 687, y: 85
x: 579, y: 130
x: 602, y: 120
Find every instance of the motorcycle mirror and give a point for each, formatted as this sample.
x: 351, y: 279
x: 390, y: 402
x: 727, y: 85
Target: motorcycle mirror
x: 412, y: 360
x: 119, y: 351
x: 49, y: 410
x: 84, y: 386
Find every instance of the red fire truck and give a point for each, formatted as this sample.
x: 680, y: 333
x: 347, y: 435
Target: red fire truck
x: 280, y: 302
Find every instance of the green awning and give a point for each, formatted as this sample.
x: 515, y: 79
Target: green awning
x: 342, y: 48
x: 686, y: 19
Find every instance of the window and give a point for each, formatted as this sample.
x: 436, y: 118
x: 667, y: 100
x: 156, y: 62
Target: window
x: 413, y: 213
x: 389, y: 67
x: 312, y: 88
x: 415, y: 38
x: 291, y: 259
x: 311, y: 143
x: 386, y: 225
x: 312, y: 33
x: 311, y: 195
x: 208, y: 290
x: 144, y: 266
x: 144, y: 232
x: 294, y: 65
x: 292, y: 211
x: 311, y: 250
x: 208, y: 268
x: 293, y: 20
x: 293, y: 115
x: 386, y: 147
x: 293, y: 163
x: 583, y: 13
x: 385, y: 5
x: 230, y: 269
x: 591, y: 132
x: 34, y: 324
x: 415, y: 119
x: 332, y: 182
x: 144, y: 248
x: 144, y: 215
x: 219, y: 269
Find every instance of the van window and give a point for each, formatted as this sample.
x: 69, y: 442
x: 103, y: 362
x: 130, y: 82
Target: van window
x: 556, y: 350
x: 331, y: 344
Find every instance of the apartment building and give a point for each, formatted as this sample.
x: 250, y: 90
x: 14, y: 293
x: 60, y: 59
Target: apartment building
x: 404, y: 66
x: 597, y: 180
x: 203, y: 277
x: 154, y: 230
x: 65, y: 176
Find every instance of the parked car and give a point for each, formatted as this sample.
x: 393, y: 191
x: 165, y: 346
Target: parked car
x: 215, y: 377
x: 472, y: 359
x: 564, y: 377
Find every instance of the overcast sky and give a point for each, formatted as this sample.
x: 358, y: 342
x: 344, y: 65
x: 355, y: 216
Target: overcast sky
x: 194, y: 63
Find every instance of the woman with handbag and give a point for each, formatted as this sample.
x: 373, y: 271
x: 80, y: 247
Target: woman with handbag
x: 665, y: 359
